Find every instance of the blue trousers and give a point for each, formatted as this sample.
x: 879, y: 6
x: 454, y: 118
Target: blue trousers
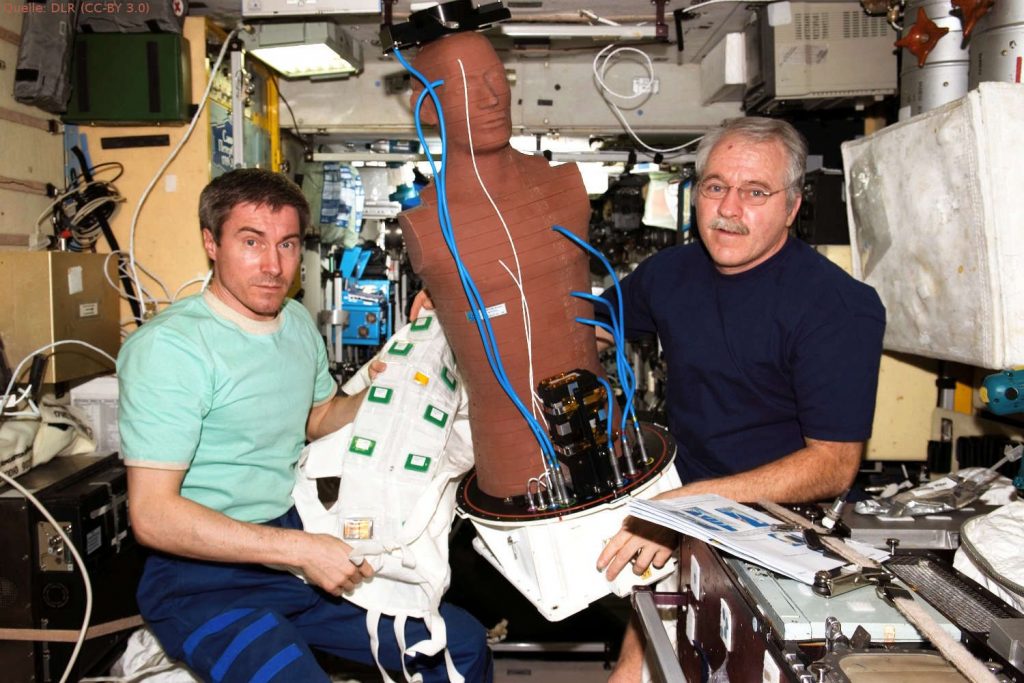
x: 240, y: 622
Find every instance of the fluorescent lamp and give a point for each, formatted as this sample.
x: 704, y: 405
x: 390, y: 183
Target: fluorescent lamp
x: 566, y: 31
x: 306, y: 50
x: 286, y: 8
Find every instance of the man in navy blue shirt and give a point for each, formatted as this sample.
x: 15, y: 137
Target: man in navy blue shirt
x: 772, y: 351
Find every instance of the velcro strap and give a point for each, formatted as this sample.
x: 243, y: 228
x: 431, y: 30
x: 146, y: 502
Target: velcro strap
x: 67, y: 635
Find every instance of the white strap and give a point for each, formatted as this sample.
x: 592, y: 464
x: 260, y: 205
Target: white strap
x: 400, y: 638
x: 372, y: 624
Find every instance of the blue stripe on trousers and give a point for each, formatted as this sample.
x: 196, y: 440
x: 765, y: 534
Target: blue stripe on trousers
x: 218, y: 623
x: 240, y: 642
x: 276, y: 663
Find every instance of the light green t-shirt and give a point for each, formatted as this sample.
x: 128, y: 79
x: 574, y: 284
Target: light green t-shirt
x: 226, y: 398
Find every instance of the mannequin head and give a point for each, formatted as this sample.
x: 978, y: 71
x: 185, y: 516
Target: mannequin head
x: 490, y: 115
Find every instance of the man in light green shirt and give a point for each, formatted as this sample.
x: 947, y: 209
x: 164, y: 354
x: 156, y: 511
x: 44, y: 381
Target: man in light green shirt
x: 219, y: 392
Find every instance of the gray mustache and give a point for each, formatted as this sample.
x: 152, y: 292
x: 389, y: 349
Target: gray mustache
x: 729, y: 225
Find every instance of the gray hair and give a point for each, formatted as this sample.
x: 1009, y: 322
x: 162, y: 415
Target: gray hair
x: 759, y: 129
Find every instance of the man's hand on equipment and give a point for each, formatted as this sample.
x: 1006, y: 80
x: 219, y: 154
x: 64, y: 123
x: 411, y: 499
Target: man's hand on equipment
x: 639, y: 542
x: 328, y: 566
x: 421, y: 302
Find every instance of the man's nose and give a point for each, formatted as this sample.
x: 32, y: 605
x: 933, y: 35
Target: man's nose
x: 271, y: 262
x: 730, y: 206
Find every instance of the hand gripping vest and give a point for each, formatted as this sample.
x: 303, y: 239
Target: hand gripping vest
x: 399, y: 462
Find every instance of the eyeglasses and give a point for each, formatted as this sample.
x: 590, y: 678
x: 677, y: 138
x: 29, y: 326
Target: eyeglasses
x: 751, y: 195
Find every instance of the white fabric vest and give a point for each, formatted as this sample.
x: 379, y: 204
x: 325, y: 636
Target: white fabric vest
x: 400, y: 462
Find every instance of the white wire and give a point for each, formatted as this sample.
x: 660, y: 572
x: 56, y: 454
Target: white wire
x: 33, y: 410
x: 599, y: 73
x: 517, y: 278
x: 77, y: 187
x: 21, y: 365
x: 699, y: 6
x: 142, y: 291
x: 181, y: 143
x: 196, y: 280
x: 87, y: 617
x: 605, y: 90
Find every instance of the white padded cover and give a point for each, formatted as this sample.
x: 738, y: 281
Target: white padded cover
x: 936, y: 227
x: 990, y: 553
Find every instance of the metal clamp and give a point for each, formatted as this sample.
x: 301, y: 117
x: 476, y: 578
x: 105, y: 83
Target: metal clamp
x: 830, y: 584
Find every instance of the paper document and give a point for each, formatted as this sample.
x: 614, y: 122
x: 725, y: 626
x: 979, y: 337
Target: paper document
x: 740, y: 530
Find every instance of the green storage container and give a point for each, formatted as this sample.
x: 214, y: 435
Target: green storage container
x: 130, y: 78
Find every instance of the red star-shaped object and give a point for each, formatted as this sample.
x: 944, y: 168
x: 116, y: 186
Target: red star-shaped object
x: 971, y: 11
x: 922, y: 36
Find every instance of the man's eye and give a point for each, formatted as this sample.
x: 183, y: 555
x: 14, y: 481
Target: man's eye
x: 250, y: 243
x: 716, y: 188
x: 290, y: 244
x: 756, y: 193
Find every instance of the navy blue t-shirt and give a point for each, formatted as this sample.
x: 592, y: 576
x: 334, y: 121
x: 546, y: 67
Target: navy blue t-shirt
x: 758, y: 360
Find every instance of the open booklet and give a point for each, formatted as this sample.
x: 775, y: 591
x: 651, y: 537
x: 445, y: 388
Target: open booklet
x: 747, y: 533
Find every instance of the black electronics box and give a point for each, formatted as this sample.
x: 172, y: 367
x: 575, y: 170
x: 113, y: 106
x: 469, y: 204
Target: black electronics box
x: 41, y: 586
x: 822, y: 216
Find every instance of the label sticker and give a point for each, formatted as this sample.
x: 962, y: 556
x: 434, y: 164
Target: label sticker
x: 362, y: 445
x: 357, y: 528
x: 695, y: 577
x: 725, y: 625
x: 75, y: 285
x: 417, y: 463
x: 93, y: 540
x: 379, y: 395
x: 491, y: 311
x: 436, y: 416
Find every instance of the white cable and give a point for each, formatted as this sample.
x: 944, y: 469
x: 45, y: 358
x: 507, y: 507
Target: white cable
x: 143, y: 292
x: 171, y: 157
x: 33, y: 410
x: 605, y: 90
x: 154, y: 278
x: 77, y: 187
x: 699, y: 6
x: 21, y: 365
x: 87, y: 617
x: 204, y: 280
x: 517, y: 278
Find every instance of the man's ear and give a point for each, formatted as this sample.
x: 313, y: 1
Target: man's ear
x: 793, y: 211
x: 209, y: 245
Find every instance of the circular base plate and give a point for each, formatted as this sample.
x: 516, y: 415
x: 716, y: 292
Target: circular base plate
x: 660, y: 446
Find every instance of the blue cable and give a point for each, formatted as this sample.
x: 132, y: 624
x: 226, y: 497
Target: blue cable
x: 626, y: 377
x: 475, y: 300
x: 618, y: 334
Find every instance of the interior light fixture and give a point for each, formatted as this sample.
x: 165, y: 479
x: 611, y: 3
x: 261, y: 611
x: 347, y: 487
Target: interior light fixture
x: 291, y: 8
x: 567, y: 31
x: 319, y: 49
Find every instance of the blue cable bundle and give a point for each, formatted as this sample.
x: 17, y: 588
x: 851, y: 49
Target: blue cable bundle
x: 627, y: 378
x: 476, y: 302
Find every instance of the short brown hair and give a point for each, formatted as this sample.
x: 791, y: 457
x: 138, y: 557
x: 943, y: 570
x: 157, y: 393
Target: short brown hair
x: 248, y: 186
